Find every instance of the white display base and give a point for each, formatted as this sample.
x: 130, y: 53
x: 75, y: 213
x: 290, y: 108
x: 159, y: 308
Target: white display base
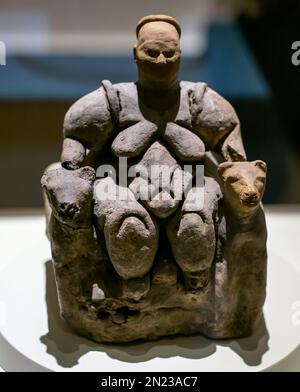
x: 34, y: 338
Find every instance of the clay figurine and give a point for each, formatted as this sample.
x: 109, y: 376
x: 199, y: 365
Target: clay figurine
x: 155, y: 216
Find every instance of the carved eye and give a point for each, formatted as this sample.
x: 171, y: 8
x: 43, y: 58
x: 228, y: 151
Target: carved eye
x: 261, y: 179
x: 232, y: 179
x: 153, y: 52
x: 168, y: 53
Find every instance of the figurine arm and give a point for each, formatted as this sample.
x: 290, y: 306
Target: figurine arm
x: 217, y: 123
x: 87, y: 127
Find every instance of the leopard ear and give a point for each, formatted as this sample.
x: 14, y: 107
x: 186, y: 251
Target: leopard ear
x: 223, y: 167
x: 261, y: 164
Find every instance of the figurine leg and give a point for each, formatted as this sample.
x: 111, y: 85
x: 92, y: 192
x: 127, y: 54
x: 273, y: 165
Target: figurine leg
x: 191, y: 233
x: 192, y: 240
x: 131, y: 236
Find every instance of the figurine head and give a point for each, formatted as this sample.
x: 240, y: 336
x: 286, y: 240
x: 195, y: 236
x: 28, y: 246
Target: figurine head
x: 157, y: 51
x: 243, y: 185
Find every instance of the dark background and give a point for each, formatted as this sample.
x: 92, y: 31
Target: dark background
x: 248, y: 61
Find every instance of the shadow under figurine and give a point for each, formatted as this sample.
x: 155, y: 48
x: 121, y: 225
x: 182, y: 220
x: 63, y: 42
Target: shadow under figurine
x: 136, y: 260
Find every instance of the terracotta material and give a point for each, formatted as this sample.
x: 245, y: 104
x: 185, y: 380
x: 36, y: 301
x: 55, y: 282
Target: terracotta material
x: 136, y: 258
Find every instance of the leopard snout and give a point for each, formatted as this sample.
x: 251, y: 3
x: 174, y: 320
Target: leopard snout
x: 250, y: 196
x: 68, y: 210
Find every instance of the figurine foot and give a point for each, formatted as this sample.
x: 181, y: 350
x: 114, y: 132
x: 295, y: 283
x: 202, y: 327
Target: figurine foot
x: 196, y: 280
x: 137, y: 288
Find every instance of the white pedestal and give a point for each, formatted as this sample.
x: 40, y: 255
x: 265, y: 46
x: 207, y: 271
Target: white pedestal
x: 34, y: 338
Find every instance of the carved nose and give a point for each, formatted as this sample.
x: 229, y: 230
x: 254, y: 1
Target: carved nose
x: 161, y: 59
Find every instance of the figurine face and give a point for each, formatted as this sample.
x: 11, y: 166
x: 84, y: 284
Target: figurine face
x: 157, y: 52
